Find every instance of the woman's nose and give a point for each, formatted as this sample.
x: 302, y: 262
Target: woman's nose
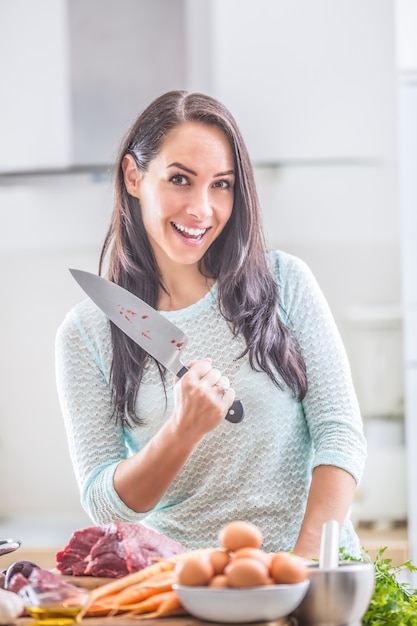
x: 200, y: 205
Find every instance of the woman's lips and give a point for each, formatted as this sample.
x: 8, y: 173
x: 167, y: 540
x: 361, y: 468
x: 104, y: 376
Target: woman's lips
x: 190, y: 233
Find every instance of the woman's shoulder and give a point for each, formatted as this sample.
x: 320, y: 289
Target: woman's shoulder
x: 85, y: 318
x: 287, y: 267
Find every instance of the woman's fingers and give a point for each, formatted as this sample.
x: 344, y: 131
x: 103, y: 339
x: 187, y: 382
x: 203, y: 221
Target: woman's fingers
x: 203, y: 396
x: 223, y: 385
x: 203, y: 375
x: 210, y: 376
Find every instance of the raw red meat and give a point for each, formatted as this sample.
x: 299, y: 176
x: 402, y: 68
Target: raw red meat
x: 39, y: 578
x: 114, y: 550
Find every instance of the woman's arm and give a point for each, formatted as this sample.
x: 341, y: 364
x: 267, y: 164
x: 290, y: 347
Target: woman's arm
x: 200, y: 406
x: 330, y: 497
x: 330, y: 407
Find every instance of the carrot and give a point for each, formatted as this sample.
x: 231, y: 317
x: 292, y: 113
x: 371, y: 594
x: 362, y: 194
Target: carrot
x: 159, y: 579
x: 130, y: 579
x: 121, y: 601
x: 114, y: 605
x: 169, y: 604
x: 163, y: 565
x: 160, y: 582
x: 133, y: 596
x: 98, y: 610
x: 148, y: 605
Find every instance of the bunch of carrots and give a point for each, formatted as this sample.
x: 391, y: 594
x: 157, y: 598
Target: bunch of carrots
x: 145, y: 594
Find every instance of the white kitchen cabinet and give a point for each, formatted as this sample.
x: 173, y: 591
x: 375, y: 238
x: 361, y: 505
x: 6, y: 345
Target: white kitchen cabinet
x: 305, y: 80
x: 74, y: 75
x: 35, y: 100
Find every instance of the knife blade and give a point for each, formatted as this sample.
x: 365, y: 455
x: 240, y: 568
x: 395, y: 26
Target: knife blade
x: 159, y: 337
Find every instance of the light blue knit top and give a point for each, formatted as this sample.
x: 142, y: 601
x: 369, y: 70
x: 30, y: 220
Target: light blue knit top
x: 258, y: 470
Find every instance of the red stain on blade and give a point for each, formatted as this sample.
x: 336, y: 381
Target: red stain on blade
x: 178, y: 344
x: 146, y: 334
x: 127, y: 313
x: 144, y: 317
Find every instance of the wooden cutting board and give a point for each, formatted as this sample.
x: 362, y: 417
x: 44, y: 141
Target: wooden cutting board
x: 87, y: 582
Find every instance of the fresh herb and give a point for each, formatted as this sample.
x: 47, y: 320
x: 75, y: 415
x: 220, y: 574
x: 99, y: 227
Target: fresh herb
x: 393, y: 602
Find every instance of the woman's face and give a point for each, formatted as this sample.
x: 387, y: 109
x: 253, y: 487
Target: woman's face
x: 186, y: 195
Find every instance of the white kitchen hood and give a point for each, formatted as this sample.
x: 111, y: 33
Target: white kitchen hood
x: 75, y: 74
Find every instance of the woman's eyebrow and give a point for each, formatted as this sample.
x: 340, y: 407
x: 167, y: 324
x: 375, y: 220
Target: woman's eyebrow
x: 187, y: 169
x: 227, y: 173
x: 183, y: 167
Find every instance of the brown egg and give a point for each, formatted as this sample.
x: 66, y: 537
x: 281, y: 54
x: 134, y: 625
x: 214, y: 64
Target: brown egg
x: 240, y: 534
x: 219, y: 581
x: 287, y: 568
x: 246, y: 572
x: 253, y: 553
x: 219, y: 559
x: 195, y: 572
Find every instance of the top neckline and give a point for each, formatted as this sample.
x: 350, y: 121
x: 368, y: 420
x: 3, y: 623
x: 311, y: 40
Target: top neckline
x: 194, y: 309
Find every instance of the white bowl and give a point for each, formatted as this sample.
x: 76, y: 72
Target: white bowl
x: 251, y: 604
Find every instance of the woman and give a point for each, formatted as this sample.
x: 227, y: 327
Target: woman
x: 186, y: 237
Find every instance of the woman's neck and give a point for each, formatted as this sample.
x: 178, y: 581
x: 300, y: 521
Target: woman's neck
x: 183, y: 289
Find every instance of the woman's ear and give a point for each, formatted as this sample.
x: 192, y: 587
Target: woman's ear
x: 132, y: 175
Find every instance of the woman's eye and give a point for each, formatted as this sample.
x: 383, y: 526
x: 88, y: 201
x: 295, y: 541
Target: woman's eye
x: 222, y: 184
x: 179, y: 179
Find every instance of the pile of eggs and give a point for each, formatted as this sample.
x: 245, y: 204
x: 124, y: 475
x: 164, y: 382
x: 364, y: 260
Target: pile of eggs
x: 240, y: 562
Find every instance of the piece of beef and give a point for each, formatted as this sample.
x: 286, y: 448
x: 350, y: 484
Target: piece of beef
x: 108, y: 556
x: 37, y: 577
x: 114, y: 550
x: 47, y: 581
x: 24, y: 568
x: 74, y: 558
x: 17, y: 582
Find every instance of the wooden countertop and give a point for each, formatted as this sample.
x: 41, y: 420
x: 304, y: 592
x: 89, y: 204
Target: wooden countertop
x: 394, y: 539
x: 180, y: 620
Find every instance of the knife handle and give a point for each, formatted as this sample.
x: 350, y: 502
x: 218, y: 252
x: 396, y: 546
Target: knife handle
x: 235, y: 414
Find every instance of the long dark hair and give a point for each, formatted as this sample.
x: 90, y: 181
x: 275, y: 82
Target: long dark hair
x: 248, y: 294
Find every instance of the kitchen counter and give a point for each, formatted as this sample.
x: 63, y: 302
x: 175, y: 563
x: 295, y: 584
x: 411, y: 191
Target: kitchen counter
x: 372, y: 539
x: 180, y: 620
x: 394, y: 539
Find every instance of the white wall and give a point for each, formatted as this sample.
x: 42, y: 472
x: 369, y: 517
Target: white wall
x: 47, y: 227
x: 406, y: 26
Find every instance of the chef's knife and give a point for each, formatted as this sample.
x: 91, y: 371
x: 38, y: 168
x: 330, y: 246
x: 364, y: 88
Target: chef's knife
x: 142, y: 323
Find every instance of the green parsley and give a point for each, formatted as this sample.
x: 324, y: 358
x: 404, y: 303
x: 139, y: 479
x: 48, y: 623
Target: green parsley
x: 393, y: 603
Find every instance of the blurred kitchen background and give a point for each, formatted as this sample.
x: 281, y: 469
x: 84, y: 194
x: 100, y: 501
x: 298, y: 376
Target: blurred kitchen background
x: 325, y: 92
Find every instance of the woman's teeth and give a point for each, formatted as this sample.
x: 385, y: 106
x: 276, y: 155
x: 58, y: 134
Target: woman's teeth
x: 196, y: 233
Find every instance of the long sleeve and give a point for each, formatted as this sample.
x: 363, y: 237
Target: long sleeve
x: 96, y: 443
x: 330, y: 406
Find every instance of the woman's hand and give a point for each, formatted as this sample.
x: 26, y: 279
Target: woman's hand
x: 202, y: 398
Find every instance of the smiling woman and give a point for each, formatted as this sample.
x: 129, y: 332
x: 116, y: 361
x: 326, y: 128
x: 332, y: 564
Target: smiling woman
x: 186, y: 237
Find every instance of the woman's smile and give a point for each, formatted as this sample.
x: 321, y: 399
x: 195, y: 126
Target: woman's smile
x: 191, y: 234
